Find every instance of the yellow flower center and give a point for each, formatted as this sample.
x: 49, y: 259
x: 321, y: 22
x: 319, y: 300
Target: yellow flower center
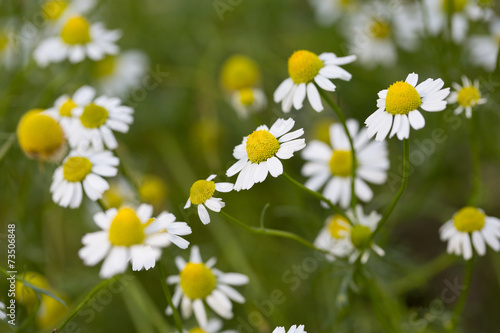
x: 94, y: 116
x: 360, y: 236
x: 341, y: 163
x: 152, y: 189
x: 402, y: 98
x: 261, y: 145
x: 468, y: 96
x: 65, y: 109
x: 201, y: 191
x: 458, y: 6
x: 197, y: 280
x: 4, y: 41
x: 76, y: 31
x: 126, y: 229
x: 39, y: 135
x: 239, y: 72
x: 104, y: 67
x: 469, y: 219
x: 24, y: 294
x: 303, y: 66
x: 380, y: 29
x: 76, y: 168
x: 197, y: 330
x: 337, y: 226
x: 246, y: 96
x: 113, y: 197
x: 53, y: 9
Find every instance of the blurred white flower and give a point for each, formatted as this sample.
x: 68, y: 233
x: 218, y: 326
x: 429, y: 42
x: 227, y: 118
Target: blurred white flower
x: 483, y: 49
x: 2, y: 311
x: 293, y: 329
x: 248, y: 100
x: 214, y: 325
x: 328, y: 12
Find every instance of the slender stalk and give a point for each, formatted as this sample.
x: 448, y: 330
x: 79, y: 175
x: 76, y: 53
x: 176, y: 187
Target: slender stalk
x: 317, y: 195
x: 341, y: 117
x: 476, y: 165
x: 459, y: 307
x: 168, y: 296
x: 101, y: 204
x: 80, y: 306
x: 402, y: 188
x: 273, y: 232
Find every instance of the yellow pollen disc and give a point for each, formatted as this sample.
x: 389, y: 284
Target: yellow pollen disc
x: 126, y: 229
x: 94, y: 116
x: 337, y: 226
x: 239, y: 72
x: 246, y: 96
x: 65, y: 110
x: 201, y: 191
x: 53, y: 9
x: 4, y: 41
x: 153, y: 189
x: 24, y: 294
x: 469, y: 219
x: 360, y: 236
x: 402, y: 98
x: 468, y: 96
x: 458, y: 6
x: 303, y: 66
x: 76, y: 31
x: 197, y: 330
x: 197, y: 280
x: 341, y: 163
x: 380, y: 29
x: 39, y: 135
x: 76, y: 168
x: 261, y: 146
x: 104, y: 67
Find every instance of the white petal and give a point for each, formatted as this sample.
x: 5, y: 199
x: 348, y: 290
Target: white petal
x: 314, y: 98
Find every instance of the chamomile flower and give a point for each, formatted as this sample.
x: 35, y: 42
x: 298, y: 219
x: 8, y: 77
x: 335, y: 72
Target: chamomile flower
x: 97, y: 119
x: 57, y: 11
x: 77, y: 40
x: 353, y: 241
x: 293, y: 329
x: 214, y: 325
x: 483, y: 49
x: 471, y: 223
x: 467, y: 96
x: 131, y: 235
x: 248, y: 100
x: 202, y: 194
x: 398, y: 107
x: 199, y: 282
x: 239, y: 72
x: 116, y: 75
x: 3, y: 314
x: 40, y: 136
x: 82, y: 170
x: 333, y: 165
x: 261, y: 151
x: 328, y: 12
x: 307, y: 70
x: 64, y: 105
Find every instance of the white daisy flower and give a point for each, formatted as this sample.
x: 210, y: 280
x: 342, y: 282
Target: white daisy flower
x: 307, y: 70
x: 77, y: 40
x: 198, y: 282
x: 131, y: 235
x: 293, y: 329
x: 248, y: 100
x: 261, y: 151
x: 201, y: 194
x: 97, y: 119
x: 467, y: 96
x: 116, y: 75
x: 82, y: 169
x: 327, y: 12
x: 471, y: 223
x: 64, y: 105
x: 214, y: 325
x: 333, y: 165
x: 3, y: 314
x: 56, y: 12
x: 398, y: 107
x: 483, y: 49
x: 342, y: 239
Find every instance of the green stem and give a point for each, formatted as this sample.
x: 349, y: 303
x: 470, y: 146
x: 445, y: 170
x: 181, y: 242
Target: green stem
x: 316, y: 195
x: 168, y: 296
x: 94, y: 291
x: 476, y: 165
x: 273, y: 232
x: 463, y: 296
x: 101, y: 204
x: 402, y: 188
x: 341, y: 117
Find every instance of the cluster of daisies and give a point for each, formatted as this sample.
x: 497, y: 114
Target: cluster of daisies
x: 374, y: 30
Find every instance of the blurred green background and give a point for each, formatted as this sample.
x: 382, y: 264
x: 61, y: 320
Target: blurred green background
x: 184, y: 130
